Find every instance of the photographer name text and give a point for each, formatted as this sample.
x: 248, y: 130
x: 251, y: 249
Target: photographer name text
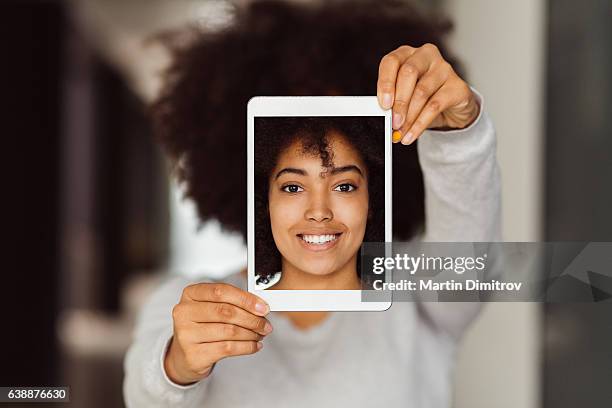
x: 448, y: 285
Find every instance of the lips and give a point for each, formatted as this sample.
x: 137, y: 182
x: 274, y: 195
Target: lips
x: 319, y: 241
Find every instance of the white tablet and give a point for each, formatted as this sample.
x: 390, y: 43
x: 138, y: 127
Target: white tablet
x: 319, y: 186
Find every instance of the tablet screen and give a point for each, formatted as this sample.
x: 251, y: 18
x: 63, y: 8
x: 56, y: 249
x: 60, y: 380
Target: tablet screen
x: 319, y: 194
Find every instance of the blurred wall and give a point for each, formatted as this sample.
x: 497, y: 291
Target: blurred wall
x: 578, y: 170
x: 31, y: 95
x: 502, y: 46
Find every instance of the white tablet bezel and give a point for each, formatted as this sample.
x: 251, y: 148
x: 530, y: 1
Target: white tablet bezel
x: 293, y: 106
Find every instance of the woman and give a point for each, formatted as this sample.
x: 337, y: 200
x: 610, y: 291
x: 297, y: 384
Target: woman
x: 401, y: 357
x: 319, y: 190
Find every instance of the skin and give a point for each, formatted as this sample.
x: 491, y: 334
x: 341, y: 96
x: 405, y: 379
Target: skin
x: 215, y: 321
x: 307, y: 198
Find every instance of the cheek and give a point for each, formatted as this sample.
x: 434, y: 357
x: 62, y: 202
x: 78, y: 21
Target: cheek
x: 354, y: 213
x: 284, y: 212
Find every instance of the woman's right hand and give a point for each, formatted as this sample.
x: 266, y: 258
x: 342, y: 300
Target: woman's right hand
x: 213, y: 321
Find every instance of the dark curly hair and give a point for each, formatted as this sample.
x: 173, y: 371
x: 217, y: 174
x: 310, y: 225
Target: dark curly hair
x: 275, y: 134
x: 275, y: 48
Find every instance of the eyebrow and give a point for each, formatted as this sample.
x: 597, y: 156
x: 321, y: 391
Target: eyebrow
x: 343, y: 169
x: 292, y: 171
x: 335, y: 170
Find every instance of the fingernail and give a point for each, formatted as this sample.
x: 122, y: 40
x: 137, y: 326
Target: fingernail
x: 387, y: 100
x: 397, y: 136
x: 397, y: 120
x: 259, y: 345
x: 262, y: 308
x: 267, y: 328
x: 407, y: 138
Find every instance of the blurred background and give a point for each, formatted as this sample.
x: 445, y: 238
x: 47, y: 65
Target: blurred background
x: 95, y: 222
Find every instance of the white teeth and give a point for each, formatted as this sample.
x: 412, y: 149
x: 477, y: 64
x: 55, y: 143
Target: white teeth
x: 318, y: 239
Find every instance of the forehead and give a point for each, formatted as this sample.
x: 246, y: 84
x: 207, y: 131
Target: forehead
x: 342, y: 153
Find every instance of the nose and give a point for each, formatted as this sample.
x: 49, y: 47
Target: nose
x: 318, y: 209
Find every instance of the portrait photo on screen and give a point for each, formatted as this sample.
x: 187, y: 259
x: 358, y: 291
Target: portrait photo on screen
x: 319, y: 194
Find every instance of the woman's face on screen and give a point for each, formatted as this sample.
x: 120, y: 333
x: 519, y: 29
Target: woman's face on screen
x: 318, y: 215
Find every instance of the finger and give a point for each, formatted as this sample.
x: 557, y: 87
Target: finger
x: 407, y: 77
x: 426, y: 86
x: 224, y: 293
x: 211, y: 332
x: 208, y: 312
x: 438, y: 103
x: 222, y: 349
x: 387, y: 74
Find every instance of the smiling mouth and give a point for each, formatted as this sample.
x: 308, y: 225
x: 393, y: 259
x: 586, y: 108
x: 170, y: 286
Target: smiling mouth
x: 318, y: 242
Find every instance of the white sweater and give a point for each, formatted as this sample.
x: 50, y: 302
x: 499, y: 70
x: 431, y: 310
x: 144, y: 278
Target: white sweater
x: 402, y: 357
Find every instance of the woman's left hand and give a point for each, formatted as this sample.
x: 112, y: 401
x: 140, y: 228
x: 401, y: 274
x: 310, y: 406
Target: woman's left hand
x: 424, y: 92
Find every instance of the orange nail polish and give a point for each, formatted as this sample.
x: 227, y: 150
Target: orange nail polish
x: 397, y: 136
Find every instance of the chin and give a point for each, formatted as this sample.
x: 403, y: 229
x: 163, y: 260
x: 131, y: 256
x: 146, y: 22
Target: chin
x: 314, y: 268
x: 319, y: 271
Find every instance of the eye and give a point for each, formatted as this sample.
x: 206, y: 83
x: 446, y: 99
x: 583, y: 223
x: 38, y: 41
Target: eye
x: 345, y: 188
x: 292, y: 188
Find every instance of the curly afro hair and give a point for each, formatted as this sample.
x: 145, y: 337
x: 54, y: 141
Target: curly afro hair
x: 275, y: 134
x: 276, y: 48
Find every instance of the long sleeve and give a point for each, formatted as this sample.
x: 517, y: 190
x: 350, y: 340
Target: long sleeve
x: 462, y: 201
x: 145, y: 383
